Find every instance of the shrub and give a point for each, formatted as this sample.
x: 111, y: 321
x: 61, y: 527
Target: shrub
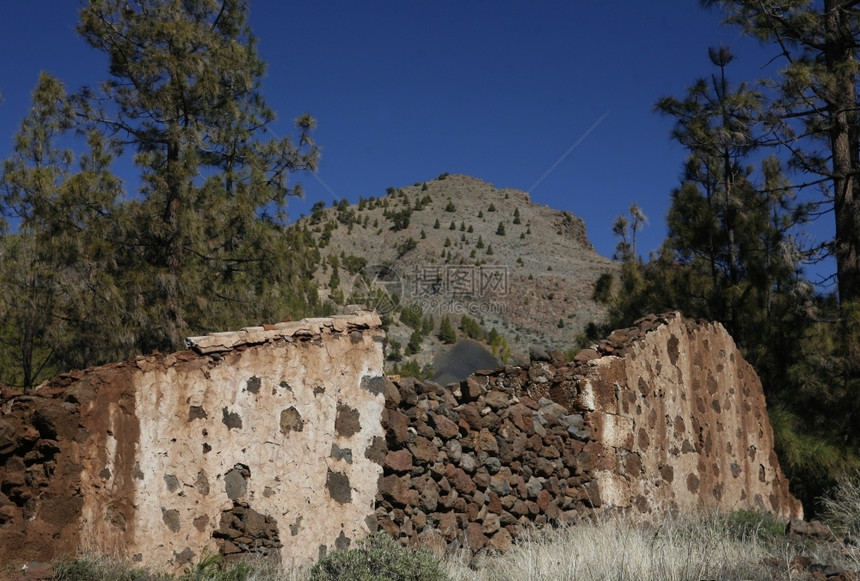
x: 401, y: 219
x: 745, y: 523
x: 842, y: 506
x: 406, y: 246
x: 353, y: 264
x: 90, y: 568
x: 378, y: 558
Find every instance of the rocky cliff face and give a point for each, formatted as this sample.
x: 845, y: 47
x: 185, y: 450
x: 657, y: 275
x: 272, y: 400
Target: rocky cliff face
x: 287, y: 441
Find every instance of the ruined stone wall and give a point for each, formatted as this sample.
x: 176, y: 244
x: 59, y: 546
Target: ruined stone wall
x: 681, y: 421
x: 239, y: 444
x: 287, y: 441
x: 663, y: 416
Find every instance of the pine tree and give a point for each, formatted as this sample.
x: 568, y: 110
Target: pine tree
x: 206, y: 248
x: 817, y: 105
x: 414, y: 345
x: 56, y: 290
x: 446, y: 331
x: 715, y: 122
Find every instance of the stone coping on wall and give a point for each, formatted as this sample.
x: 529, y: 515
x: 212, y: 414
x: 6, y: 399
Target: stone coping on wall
x: 304, y: 329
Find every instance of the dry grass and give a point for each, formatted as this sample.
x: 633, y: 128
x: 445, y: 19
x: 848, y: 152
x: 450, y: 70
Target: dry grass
x: 679, y: 550
x: 742, y: 546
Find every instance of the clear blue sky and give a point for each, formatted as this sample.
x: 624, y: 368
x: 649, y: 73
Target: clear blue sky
x: 404, y: 91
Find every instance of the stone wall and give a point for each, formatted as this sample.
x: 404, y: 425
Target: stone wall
x: 237, y: 444
x: 662, y: 416
x: 287, y: 441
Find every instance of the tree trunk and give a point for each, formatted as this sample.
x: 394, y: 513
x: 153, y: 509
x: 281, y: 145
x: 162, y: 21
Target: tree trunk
x: 843, y: 134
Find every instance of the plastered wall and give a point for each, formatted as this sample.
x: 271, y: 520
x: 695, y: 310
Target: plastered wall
x: 255, y: 442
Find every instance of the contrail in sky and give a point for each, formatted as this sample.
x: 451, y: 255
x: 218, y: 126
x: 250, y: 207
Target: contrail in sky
x: 323, y: 184
x: 566, y: 153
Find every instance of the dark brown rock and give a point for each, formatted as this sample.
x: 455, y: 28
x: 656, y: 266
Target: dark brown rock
x: 497, y: 399
x: 471, y: 415
x: 397, y: 430
x: 446, y: 428
x: 475, y: 537
x: 398, y: 461
x: 423, y: 450
x: 472, y: 388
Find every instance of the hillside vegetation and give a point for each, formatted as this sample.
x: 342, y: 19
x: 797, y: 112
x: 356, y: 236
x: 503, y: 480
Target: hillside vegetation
x: 456, y: 246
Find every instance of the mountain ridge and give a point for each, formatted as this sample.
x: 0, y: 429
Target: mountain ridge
x: 457, y: 245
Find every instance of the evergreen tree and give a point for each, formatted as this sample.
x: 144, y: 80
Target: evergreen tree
x: 730, y: 256
x: 716, y: 216
x: 205, y: 249
x: 56, y: 288
x: 414, y: 345
x: 816, y: 113
x: 446, y: 331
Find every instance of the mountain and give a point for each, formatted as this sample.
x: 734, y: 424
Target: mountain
x: 455, y: 246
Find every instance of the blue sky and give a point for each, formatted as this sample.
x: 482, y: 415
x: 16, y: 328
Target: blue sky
x: 404, y: 91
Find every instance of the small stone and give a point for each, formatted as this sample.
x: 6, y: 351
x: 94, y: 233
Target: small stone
x: 37, y: 571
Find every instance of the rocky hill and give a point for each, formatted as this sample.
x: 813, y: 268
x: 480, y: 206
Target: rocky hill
x: 458, y: 246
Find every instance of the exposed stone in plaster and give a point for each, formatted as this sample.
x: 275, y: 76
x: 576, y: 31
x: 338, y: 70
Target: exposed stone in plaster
x: 348, y: 421
x: 231, y: 419
x: 291, y: 421
x: 160, y: 457
x: 337, y: 484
